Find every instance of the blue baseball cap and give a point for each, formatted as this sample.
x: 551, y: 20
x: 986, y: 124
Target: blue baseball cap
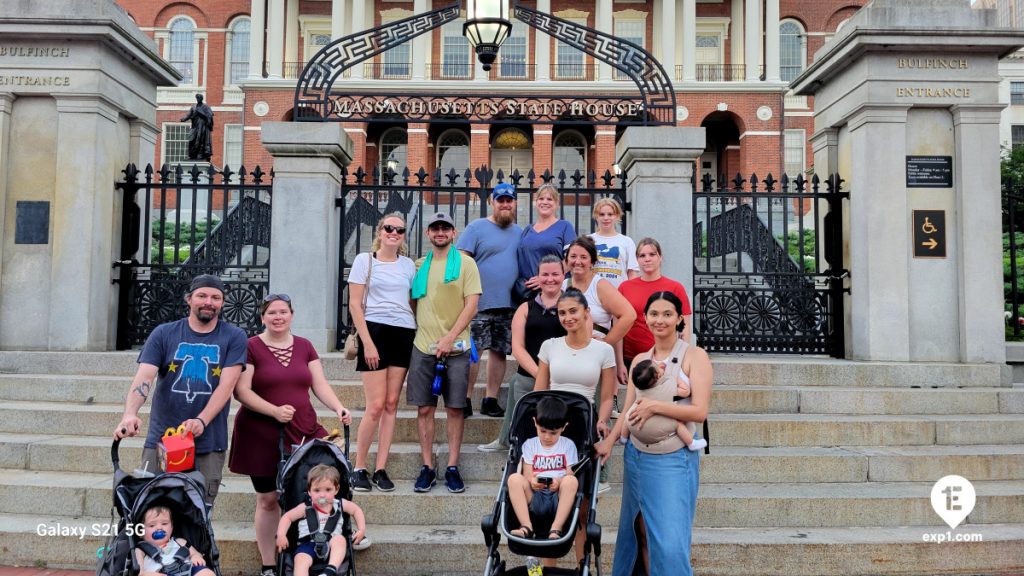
x: 504, y: 190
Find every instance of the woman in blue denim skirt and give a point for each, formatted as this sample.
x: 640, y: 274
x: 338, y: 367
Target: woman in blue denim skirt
x: 661, y: 476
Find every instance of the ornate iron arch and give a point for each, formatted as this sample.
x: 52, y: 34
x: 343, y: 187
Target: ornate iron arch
x: 313, y: 91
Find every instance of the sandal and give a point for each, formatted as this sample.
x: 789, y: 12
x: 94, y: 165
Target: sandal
x: 555, y: 534
x: 523, y: 532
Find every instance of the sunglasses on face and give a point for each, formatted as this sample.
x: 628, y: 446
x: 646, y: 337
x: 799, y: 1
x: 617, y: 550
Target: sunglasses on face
x: 393, y: 229
x: 444, y: 227
x: 281, y: 297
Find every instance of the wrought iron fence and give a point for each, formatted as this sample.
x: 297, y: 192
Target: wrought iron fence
x: 182, y: 221
x: 367, y: 196
x: 768, y: 275
x: 1013, y: 244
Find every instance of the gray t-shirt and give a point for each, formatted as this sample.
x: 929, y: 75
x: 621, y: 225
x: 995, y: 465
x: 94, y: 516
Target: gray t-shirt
x: 189, y: 365
x: 496, y: 252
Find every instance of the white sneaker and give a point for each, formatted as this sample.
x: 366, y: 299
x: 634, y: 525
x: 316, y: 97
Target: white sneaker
x: 496, y: 446
x: 363, y: 544
x: 603, y: 487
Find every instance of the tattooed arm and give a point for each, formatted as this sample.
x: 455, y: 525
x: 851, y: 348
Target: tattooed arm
x: 142, y: 385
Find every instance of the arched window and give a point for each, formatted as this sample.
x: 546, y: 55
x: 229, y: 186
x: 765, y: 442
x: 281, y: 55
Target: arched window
x: 182, y: 53
x: 453, y: 153
x: 570, y: 153
x: 393, y: 149
x: 792, y: 49
x: 238, y: 50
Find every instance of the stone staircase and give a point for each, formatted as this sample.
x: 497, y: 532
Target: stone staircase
x: 817, y: 467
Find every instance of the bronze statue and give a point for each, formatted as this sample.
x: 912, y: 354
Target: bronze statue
x: 200, y: 137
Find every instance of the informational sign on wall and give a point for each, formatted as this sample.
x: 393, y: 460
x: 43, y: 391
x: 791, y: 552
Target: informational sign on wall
x: 929, y: 171
x: 929, y: 233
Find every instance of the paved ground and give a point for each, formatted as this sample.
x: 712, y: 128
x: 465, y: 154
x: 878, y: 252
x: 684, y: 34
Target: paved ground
x: 28, y: 571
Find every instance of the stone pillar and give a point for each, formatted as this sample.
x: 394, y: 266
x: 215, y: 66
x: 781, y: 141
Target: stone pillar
x: 358, y: 24
x: 668, y: 51
x: 771, y: 30
x: 736, y: 47
x: 979, y: 206
x: 689, y: 39
x: 257, y: 30
x: 604, y: 22
x: 752, y: 42
x: 420, y: 45
x: 658, y: 162
x: 6, y: 103
x: 338, y: 10
x: 304, y: 224
x: 275, y: 38
x: 291, y: 32
x: 542, y: 46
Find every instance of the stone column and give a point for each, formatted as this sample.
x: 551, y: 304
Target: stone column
x: 752, y: 42
x: 771, y: 54
x: 604, y: 22
x: 420, y: 45
x: 669, y: 38
x: 658, y: 162
x: 84, y: 123
x: 358, y: 24
x: 304, y: 224
x: 736, y: 35
x: 258, y: 24
x: 6, y: 103
x: 275, y: 38
x: 291, y: 32
x: 542, y: 46
x: 979, y: 208
x: 338, y: 9
x: 689, y: 39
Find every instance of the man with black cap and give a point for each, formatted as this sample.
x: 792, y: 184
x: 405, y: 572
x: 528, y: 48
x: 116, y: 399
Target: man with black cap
x: 446, y: 289
x: 190, y: 367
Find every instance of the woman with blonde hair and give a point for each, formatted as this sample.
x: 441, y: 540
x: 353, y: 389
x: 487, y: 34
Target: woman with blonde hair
x: 547, y: 235
x: 616, y: 252
x: 386, y: 326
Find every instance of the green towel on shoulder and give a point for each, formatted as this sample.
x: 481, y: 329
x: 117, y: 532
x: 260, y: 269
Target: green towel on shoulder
x: 452, y: 267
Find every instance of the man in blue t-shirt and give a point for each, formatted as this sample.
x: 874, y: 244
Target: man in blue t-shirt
x: 190, y: 367
x: 493, y: 242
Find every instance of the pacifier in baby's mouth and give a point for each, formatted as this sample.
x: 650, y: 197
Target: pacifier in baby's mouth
x: 159, y: 534
x: 322, y: 501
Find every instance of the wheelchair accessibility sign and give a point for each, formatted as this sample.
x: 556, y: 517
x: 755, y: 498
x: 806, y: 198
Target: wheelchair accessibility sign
x: 929, y: 233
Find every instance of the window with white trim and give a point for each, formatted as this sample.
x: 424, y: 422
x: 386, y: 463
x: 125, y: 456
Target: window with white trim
x: 569, y: 153
x: 1017, y: 135
x: 233, y: 146
x: 631, y: 30
x: 1016, y: 92
x: 175, y: 143
x: 570, y: 63
x: 792, y: 49
x: 795, y: 153
x: 456, y: 57
x: 181, y: 53
x: 394, y: 145
x: 397, y: 61
x: 238, y: 50
x: 513, y: 54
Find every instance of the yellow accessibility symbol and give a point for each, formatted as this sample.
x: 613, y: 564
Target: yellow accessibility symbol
x: 928, y: 227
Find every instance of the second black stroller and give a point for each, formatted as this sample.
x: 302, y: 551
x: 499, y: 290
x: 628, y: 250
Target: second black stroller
x: 181, y: 492
x: 292, y: 491
x: 502, y: 520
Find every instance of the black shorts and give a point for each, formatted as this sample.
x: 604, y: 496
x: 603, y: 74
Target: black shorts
x: 264, y: 484
x: 394, y: 344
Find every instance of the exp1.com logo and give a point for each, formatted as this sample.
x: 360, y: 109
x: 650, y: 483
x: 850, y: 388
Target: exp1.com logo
x: 953, y: 498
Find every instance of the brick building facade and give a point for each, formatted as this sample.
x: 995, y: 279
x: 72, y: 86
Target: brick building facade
x: 730, y: 77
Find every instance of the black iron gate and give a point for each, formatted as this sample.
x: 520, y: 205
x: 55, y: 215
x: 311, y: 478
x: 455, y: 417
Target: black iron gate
x: 768, y: 266
x: 367, y: 197
x: 176, y: 224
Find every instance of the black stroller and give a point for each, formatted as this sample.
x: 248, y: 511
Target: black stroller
x: 183, y: 493
x: 502, y: 520
x: 292, y: 491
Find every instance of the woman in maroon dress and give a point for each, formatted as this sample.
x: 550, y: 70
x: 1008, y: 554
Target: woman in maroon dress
x: 274, y: 392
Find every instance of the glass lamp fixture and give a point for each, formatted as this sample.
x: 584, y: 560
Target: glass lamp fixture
x: 487, y: 26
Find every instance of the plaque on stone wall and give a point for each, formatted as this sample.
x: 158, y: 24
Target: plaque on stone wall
x: 929, y: 171
x: 31, y: 222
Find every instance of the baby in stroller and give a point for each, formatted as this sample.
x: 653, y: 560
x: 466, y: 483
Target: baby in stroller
x: 320, y: 526
x: 158, y: 553
x: 546, y: 486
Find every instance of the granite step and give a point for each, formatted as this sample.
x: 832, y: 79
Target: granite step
x: 410, y: 550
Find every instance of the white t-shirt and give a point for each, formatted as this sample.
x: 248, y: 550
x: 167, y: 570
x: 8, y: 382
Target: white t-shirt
x: 576, y: 370
x: 390, y: 287
x: 322, y: 517
x: 550, y: 462
x: 615, y: 256
x: 166, y: 557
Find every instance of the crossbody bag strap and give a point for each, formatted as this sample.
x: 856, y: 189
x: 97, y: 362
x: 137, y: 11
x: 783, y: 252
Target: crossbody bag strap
x: 369, y: 274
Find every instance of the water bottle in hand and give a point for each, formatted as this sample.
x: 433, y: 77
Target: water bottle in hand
x: 440, y: 371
